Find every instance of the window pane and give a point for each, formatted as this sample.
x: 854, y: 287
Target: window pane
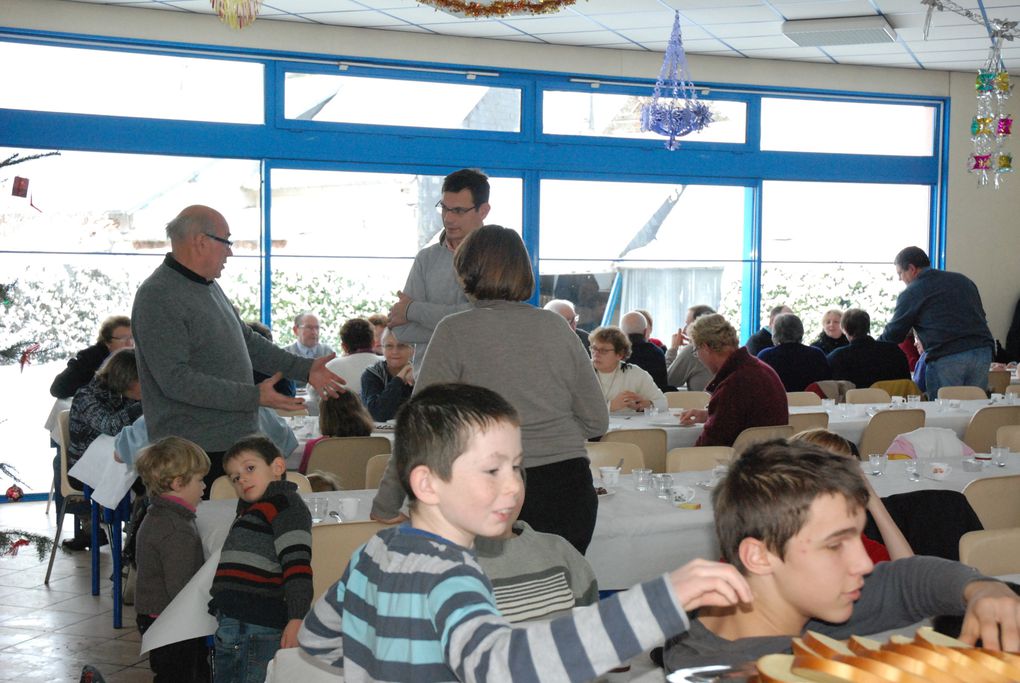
x: 810, y: 289
x: 793, y: 125
x: 379, y: 215
x: 652, y: 236
x: 842, y: 221
x: 115, y: 83
x: 392, y: 102
x: 619, y: 116
x: 121, y: 203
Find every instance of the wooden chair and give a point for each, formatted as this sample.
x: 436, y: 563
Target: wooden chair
x: 753, y: 435
x: 1008, y: 436
x: 688, y: 399
x: 885, y: 426
x: 374, y: 470
x: 898, y: 387
x: 603, y: 454
x: 962, y: 393
x: 652, y: 443
x: 803, y: 398
x: 697, y: 458
x: 993, y: 551
x: 347, y: 457
x: 998, y: 381
x: 996, y: 500
x: 72, y: 496
x: 981, y: 430
x: 332, y: 547
x: 872, y: 395
x: 222, y: 489
x: 801, y: 422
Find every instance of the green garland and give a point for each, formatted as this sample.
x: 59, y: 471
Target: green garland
x: 11, y: 540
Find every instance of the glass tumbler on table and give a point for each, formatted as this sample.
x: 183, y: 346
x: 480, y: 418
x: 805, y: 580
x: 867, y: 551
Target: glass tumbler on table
x: 642, y: 478
x: 877, y: 462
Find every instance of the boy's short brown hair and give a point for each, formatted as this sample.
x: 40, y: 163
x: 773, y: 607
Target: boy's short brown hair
x: 169, y: 458
x: 769, y: 489
x: 259, y: 444
x: 435, y: 427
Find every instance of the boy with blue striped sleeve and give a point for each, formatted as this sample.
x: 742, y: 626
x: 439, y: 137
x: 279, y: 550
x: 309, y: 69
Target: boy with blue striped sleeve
x: 414, y: 605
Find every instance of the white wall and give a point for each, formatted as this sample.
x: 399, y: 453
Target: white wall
x: 982, y: 224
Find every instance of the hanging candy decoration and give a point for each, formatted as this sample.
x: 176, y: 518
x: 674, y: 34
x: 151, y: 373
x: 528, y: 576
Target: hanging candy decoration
x: 679, y: 113
x: 992, y: 125
x: 237, y: 13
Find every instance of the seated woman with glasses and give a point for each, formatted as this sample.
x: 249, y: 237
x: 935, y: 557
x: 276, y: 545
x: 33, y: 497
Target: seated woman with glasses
x: 114, y: 334
x: 386, y: 385
x: 624, y: 386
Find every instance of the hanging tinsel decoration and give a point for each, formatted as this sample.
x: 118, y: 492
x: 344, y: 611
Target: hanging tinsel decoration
x: 237, y: 13
x: 992, y: 124
x: 678, y: 113
x: 478, y: 9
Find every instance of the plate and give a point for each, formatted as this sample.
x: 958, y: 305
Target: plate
x: 661, y: 422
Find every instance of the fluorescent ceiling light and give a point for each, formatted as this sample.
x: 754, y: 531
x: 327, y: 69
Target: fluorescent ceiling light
x: 839, y: 31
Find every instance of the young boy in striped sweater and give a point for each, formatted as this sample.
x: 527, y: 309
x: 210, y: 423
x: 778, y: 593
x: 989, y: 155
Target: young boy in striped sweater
x: 263, y: 584
x: 414, y: 605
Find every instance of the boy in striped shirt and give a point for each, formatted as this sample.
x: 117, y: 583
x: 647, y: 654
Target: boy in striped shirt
x: 414, y: 605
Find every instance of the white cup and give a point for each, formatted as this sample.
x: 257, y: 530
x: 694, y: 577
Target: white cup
x: 349, y: 508
x: 898, y: 399
x: 914, y: 398
x: 828, y: 403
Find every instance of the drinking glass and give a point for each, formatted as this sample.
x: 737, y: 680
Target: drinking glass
x: 878, y: 462
x: 914, y: 398
x: 663, y: 484
x: 642, y: 478
x: 999, y: 455
x: 610, y: 477
x: 317, y: 506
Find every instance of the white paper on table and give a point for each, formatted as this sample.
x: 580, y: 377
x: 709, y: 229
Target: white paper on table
x: 109, y: 479
x: 187, y: 616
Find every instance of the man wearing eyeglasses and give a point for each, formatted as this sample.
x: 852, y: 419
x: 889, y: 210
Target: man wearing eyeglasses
x: 195, y: 355
x: 432, y: 291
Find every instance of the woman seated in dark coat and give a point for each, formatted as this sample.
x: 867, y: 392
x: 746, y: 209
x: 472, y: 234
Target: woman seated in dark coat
x: 114, y: 334
x: 387, y: 384
x: 831, y: 337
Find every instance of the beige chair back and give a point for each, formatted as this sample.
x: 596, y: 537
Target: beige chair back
x: 803, y: 398
x: 801, y: 422
x: 998, y: 381
x: 332, y: 547
x: 962, y: 393
x: 608, y: 454
x: 992, y: 552
x: 981, y: 430
x: 996, y: 500
x: 898, y: 387
x: 885, y: 426
x: 652, y: 443
x: 753, y: 435
x: 697, y: 458
x: 1008, y: 436
x: 870, y: 395
x: 374, y: 470
x: 347, y: 457
x: 688, y: 399
x: 64, y: 421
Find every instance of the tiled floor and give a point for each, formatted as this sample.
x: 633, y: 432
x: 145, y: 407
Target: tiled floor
x: 47, y: 633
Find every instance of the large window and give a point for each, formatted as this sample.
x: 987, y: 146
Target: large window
x: 330, y: 190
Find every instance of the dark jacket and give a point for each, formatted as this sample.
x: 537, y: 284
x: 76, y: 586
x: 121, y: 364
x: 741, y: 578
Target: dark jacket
x: 381, y: 393
x: 79, y: 371
x: 760, y: 340
x: 649, y: 358
x: 827, y: 344
x: 797, y: 365
x: 745, y: 393
x: 865, y: 361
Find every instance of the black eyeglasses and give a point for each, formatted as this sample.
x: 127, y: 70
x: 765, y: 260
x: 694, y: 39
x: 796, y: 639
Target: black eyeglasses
x: 458, y: 210
x: 219, y: 239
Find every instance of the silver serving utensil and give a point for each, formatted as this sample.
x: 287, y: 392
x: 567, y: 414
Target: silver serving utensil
x: 336, y: 515
x: 619, y: 465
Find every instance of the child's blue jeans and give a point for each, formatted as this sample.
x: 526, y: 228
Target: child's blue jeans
x: 243, y: 651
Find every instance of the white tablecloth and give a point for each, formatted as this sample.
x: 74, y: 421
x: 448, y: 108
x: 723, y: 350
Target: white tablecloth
x: 676, y: 436
x: 52, y: 425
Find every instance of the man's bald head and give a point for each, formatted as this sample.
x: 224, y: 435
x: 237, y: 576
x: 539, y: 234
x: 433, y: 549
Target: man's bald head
x: 565, y: 309
x: 192, y: 221
x: 200, y: 240
x: 633, y: 323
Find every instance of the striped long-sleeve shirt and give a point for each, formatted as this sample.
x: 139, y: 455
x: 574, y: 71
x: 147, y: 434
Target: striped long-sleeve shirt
x: 265, y: 574
x: 412, y: 606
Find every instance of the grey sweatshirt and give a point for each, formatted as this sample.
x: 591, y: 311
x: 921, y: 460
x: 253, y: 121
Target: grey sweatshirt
x: 195, y: 360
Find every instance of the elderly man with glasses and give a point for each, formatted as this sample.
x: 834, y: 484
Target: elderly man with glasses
x: 432, y: 291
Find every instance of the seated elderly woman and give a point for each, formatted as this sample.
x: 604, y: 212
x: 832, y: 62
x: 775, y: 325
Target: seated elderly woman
x: 114, y: 334
x: 107, y: 404
x: 831, y: 337
x: 387, y: 384
x: 624, y: 386
x: 796, y: 364
x: 745, y: 391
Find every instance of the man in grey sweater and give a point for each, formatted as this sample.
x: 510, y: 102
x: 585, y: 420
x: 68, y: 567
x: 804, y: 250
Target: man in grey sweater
x: 195, y: 355
x: 432, y: 291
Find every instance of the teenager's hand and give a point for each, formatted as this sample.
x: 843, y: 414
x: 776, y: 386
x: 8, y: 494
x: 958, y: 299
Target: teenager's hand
x: 290, y: 631
x: 325, y: 381
x: 993, y: 615
x: 701, y: 583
